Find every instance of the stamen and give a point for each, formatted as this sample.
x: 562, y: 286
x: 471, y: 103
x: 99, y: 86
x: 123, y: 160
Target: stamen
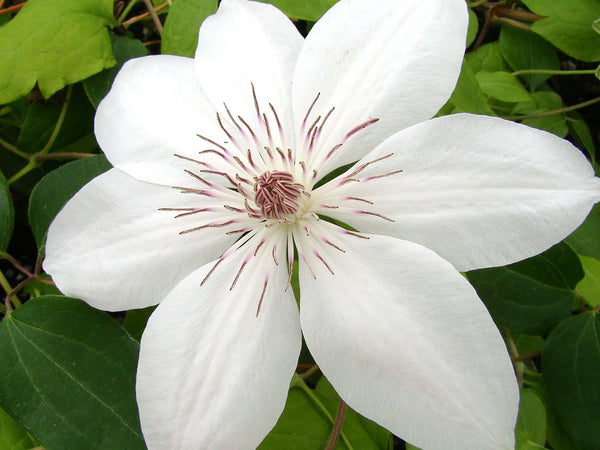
x: 324, y: 262
x: 238, y: 274
x: 308, y: 112
x: 262, y: 296
x: 209, y: 225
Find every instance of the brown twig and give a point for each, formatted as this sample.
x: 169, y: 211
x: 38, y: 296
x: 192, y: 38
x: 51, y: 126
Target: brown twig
x: 526, y: 357
x: 144, y: 15
x: 10, y: 8
x: 337, y: 426
x: 155, y: 18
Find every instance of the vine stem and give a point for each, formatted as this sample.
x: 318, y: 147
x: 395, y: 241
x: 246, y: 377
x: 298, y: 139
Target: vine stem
x: 144, y: 16
x: 555, y: 111
x: 298, y: 382
x: 32, y: 164
x: 11, y: 9
x: 11, y: 148
x: 337, y: 425
x: 519, y: 365
x: 126, y: 11
x: 154, y: 16
x: 554, y: 72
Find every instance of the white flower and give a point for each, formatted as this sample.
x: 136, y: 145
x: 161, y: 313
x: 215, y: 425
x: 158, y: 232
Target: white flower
x: 219, y: 165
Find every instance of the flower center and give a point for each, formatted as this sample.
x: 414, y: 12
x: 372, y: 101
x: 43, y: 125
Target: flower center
x: 277, y: 194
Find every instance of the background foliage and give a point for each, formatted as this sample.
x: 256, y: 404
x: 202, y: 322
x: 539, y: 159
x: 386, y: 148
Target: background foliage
x: 67, y: 371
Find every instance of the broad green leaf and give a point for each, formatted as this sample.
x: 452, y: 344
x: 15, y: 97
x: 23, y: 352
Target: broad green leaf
x: 12, y: 435
x: 524, y: 50
x: 180, y: 35
x: 571, y: 364
x: 544, y: 101
x: 307, y: 419
x: 55, y: 43
x: 533, y: 295
x: 580, y: 132
x: 585, y: 240
x: 473, y: 27
x: 310, y: 10
x: 468, y: 96
x: 487, y: 58
x: 531, y: 423
x: 135, y: 321
x: 56, y: 188
x: 124, y: 48
x: 502, y: 86
x: 527, y: 344
x: 41, y: 118
x: 556, y: 435
x: 569, y: 26
x: 69, y: 375
x: 589, y: 287
x: 7, y: 214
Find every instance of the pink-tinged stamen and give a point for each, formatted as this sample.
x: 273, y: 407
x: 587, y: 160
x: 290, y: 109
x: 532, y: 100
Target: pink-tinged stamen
x: 323, y: 261
x: 262, y: 295
x: 219, y: 146
x: 279, y: 127
x: 303, y: 126
x: 237, y: 276
x: 209, y: 225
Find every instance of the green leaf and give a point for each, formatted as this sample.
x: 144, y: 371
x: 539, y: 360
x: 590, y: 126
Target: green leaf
x: 55, y: 189
x: 41, y: 118
x: 487, y: 58
x: 468, y: 96
x: 585, y: 240
x: 502, y: 86
x: 580, y: 132
x: 556, y: 434
x: 569, y: 26
x: 531, y: 423
x: 524, y: 50
x: 124, y: 48
x: 180, y: 34
x: 307, y: 419
x: 55, y: 43
x: 473, y: 27
x: 543, y: 101
x: 7, y: 214
x: 69, y: 375
x: 12, y: 435
x: 135, y: 321
x: 571, y: 364
x: 533, y: 295
x: 310, y: 10
x: 589, y: 287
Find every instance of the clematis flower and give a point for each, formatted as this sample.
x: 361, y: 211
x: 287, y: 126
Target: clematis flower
x: 225, y: 168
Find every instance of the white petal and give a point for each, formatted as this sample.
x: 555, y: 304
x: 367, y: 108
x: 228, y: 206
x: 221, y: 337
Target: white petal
x: 396, y: 61
x: 247, y: 43
x: 480, y: 191
x: 213, y: 374
x: 406, y: 342
x: 154, y: 110
x: 112, y: 247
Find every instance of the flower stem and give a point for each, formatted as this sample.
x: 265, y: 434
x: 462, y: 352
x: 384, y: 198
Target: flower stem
x: 555, y: 111
x: 514, y: 352
x: 554, y: 72
x: 306, y: 375
x: 126, y: 11
x: 145, y: 15
x: 33, y: 163
x: 11, y: 9
x: 155, y: 18
x: 337, y: 425
x: 298, y: 382
x: 11, y: 148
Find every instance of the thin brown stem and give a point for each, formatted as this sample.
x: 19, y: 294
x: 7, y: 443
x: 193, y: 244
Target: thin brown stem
x: 527, y: 356
x: 154, y: 16
x: 337, y: 426
x: 16, y: 265
x: 144, y: 15
x: 11, y: 9
x: 516, y: 13
x: 512, y: 23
